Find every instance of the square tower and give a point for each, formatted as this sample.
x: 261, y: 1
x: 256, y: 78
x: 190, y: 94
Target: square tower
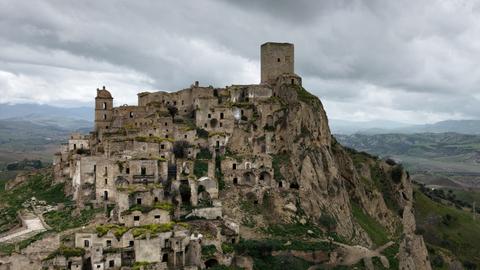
x: 276, y: 59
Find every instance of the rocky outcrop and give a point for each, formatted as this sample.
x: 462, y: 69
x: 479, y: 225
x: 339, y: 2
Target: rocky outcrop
x: 326, y: 179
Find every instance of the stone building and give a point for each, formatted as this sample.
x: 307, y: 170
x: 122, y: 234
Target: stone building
x: 168, y: 158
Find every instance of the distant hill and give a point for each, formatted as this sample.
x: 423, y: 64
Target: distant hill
x: 446, y: 159
x: 385, y: 127
x: 36, y: 131
x: 37, y: 110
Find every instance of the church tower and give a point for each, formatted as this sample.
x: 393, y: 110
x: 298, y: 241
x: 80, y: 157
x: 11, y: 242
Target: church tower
x: 103, y: 109
x: 276, y: 59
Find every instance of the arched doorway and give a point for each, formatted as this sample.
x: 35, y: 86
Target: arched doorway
x: 249, y: 178
x: 211, y: 263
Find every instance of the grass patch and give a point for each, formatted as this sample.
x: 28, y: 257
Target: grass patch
x: 10, y: 248
x: 447, y: 227
x: 374, y: 229
x: 152, y: 229
x: 38, y: 186
x: 62, y: 220
x: 67, y: 252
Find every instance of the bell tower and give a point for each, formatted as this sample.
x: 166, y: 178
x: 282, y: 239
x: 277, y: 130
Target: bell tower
x: 103, y: 109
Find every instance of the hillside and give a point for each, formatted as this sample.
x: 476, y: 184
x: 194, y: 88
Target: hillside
x: 446, y: 159
x: 451, y: 234
x: 36, y: 138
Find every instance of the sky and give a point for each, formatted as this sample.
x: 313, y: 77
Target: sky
x: 408, y: 61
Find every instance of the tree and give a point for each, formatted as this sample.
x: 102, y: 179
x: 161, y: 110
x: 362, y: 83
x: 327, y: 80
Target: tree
x: 172, y: 110
x: 180, y: 149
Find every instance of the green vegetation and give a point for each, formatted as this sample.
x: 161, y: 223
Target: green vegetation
x: 208, y: 251
x: 294, y: 230
x: 141, y: 265
x: 117, y: 230
x: 374, y: 229
x: 202, y: 133
x: 446, y: 227
x: 200, y: 168
x: 280, y: 263
x: 61, y: 220
x: 305, y: 96
x: 38, y: 186
x: 227, y: 248
x: 386, y: 186
x: 219, y: 173
x: 278, y: 161
x: 397, y: 173
x: 152, y: 229
x: 204, y: 153
x: 9, y: 248
x: 67, y: 252
x: 264, y: 247
x: 146, y: 208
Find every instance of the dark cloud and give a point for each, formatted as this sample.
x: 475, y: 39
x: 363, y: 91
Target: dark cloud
x: 406, y: 60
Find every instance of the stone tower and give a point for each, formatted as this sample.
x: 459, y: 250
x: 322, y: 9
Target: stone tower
x: 103, y: 109
x: 276, y: 59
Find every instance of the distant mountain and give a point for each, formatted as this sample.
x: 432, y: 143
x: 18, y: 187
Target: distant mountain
x: 36, y: 131
x: 42, y: 111
x: 385, y: 127
x: 457, y: 126
x: 350, y: 127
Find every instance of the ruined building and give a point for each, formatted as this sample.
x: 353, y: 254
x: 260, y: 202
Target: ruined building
x: 167, y: 159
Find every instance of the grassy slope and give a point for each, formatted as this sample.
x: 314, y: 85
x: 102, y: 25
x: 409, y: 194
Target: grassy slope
x: 39, y: 186
x: 460, y: 234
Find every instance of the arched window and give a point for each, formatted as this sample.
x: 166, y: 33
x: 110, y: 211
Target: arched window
x: 104, y: 105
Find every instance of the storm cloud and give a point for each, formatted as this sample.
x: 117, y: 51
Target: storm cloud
x: 410, y: 61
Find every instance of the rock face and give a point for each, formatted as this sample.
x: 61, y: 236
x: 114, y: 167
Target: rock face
x: 326, y: 180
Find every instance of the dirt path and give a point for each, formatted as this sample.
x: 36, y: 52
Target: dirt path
x: 351, y: 255
x: 33, y: 225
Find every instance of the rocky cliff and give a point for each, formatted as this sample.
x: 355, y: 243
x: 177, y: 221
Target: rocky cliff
x: 353, y: 196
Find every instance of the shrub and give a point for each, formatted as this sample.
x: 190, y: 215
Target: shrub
x: 200, y: 168
x: 397, y: 173
x: 208, y: 251
x: 328, y: 222
x: 204, y: 153
x: 180, y: 149
x: 202, y: 133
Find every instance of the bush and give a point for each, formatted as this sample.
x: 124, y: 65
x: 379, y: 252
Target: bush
x: 180, y: 149
x: 437, y: 261
x: 200, y: 168
x: 328, y: 222
x: 397, y: 173
x: 208, y: 251
x: 202, y: 133
x: 204, y: 153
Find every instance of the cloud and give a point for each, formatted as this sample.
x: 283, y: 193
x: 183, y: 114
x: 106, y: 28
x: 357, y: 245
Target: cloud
x: 412, y: 61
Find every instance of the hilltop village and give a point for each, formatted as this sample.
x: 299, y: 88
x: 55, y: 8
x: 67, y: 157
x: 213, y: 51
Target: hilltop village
x: 159, y: 169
